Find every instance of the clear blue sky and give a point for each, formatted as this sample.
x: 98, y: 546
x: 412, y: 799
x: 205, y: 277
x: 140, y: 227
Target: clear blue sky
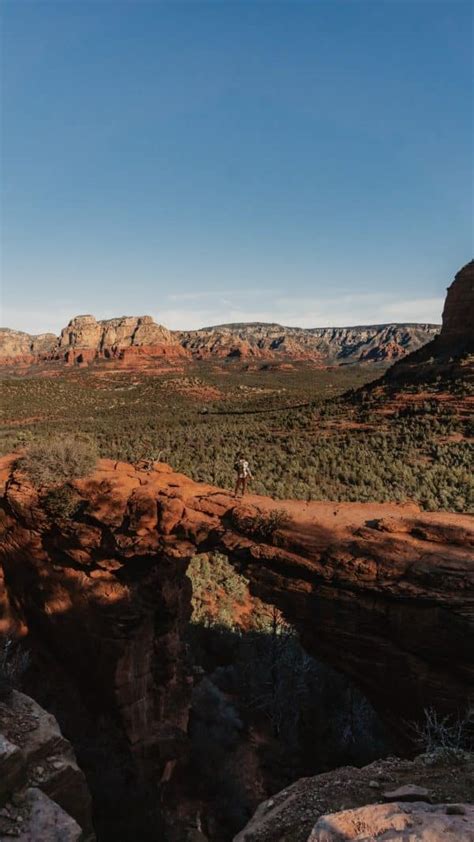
x: 304, y: 162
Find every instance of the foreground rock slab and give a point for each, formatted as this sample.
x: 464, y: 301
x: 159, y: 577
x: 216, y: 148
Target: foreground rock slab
x: 293, y: 814
x: 416, y: 822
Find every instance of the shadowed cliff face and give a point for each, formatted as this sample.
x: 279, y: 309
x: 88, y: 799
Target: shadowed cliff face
x: 103, y: 623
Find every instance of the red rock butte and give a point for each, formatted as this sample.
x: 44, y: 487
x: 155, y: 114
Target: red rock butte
x: 448, y: 357
x: 458, y: 313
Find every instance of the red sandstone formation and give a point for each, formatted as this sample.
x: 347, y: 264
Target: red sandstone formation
x: 458, y: 313
x: 129, y: 341
x: 377, y: 343
x: 15, y: 343
x: 132, y: 342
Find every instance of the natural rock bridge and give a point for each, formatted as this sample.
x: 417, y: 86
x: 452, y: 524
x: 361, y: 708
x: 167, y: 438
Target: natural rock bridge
x: 384, y: 593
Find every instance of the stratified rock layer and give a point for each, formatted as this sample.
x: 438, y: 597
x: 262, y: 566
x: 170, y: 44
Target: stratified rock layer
x: 128, y: 340
x: 84, y: 332
x: 376, y: 343
x: 18, y: 348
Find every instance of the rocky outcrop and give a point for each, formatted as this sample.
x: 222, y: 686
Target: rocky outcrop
x: 84, y: 332
x: 18, y: 347
x: 347, y: 804
x: 129, y: 341
x: 378, y: 343
x: 458, y: 313
x: 43, y: 793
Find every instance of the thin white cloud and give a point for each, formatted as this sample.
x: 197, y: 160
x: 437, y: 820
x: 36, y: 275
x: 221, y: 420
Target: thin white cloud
x: 346, y: 309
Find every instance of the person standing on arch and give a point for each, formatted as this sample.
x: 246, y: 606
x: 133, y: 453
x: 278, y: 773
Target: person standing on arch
x: 244, y: 474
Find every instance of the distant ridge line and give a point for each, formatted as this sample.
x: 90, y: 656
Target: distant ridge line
x: 376, y: 326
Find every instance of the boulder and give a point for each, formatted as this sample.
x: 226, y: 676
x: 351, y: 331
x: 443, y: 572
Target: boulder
x: 416, y: 822
x: 41, y: 785
x: 409, y: 792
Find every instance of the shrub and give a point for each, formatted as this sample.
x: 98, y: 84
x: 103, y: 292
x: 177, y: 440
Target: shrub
x: 57, y: 460
x: 444, y: 732
x: 266, y: 524
x: 61, y: 501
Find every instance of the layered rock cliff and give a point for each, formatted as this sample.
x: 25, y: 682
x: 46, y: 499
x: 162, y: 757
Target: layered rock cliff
x: 16, y: 345
x: 84, y: 333
x: 377, y: 343
x: 127, y: 340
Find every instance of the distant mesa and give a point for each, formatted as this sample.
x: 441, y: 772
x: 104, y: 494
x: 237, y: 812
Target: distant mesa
x: 324, y: 346
x: 132, y: 341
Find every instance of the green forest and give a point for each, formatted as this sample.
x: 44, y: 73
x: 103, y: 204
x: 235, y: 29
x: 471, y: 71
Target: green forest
x: 303, y: 432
